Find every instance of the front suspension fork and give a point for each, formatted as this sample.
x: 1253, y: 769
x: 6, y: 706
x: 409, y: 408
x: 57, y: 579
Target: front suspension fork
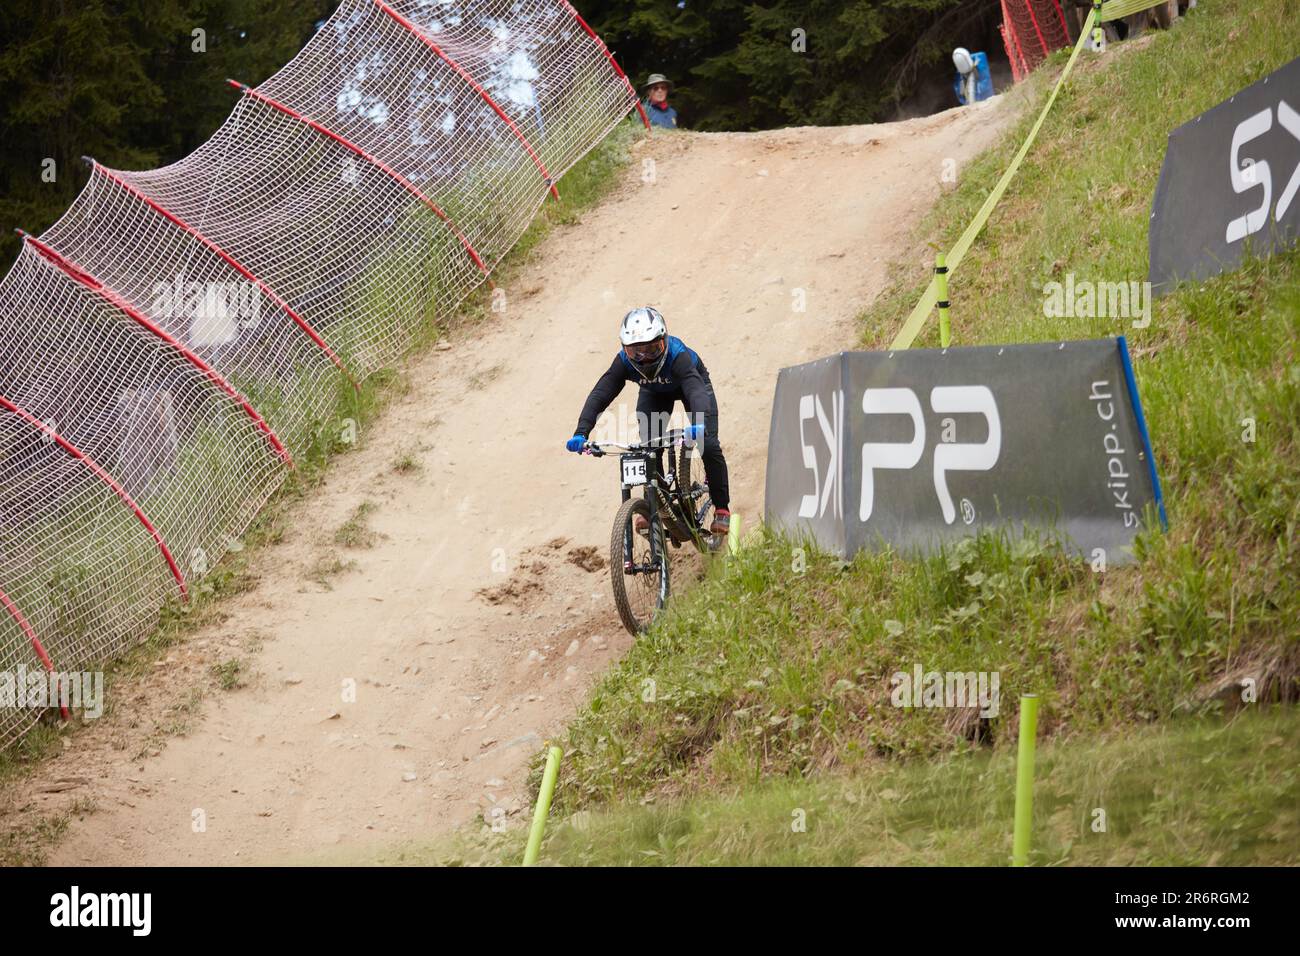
x: 652, y: 494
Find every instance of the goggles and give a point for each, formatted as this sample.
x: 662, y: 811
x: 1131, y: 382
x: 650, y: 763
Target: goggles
x: 645, y: 351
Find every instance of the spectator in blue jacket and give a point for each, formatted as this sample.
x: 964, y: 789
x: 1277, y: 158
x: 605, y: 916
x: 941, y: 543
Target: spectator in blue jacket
x: 974, y: 82
x: 656, y: 103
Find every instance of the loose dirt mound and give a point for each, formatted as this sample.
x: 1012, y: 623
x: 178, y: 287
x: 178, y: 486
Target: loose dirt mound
x: 404, y: 690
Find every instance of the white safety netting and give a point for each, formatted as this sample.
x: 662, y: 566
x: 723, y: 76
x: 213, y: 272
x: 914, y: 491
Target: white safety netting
x: 180, y: 334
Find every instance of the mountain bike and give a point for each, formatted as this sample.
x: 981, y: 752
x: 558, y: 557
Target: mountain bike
x: 673, y: 506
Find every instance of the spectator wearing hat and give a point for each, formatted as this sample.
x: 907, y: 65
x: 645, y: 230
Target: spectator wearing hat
x: 657, y: 108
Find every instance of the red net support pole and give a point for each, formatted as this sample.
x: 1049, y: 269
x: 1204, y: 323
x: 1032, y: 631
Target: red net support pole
x: 107, y: 479
x: 75, y: 272
x: 27, y: 629
x: 612, y: 62
x: 1029, y: 4
x: 1004, y: 29
x: 487, y: 97
x: 229, y: 260
x: 1018, y: 52
x: 373, y: 160
x: 1060, y: 15
x: 1011, y: 57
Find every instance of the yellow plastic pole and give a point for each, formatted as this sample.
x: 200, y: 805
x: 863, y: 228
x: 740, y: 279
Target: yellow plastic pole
x: 1025, y: 780
x: 543, y: 806
x: 941, y: 277
x: 733, y: 535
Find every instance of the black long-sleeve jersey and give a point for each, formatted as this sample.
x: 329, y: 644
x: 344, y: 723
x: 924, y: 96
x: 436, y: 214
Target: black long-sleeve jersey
x: 683, y: 373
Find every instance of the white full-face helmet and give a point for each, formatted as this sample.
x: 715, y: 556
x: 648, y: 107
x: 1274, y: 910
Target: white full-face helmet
x: 961, y: 59
x: 645, y: 340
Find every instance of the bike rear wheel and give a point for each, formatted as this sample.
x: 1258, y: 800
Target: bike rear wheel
x: 640, y: 587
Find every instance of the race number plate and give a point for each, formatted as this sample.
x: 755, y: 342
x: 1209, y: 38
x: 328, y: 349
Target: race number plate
x: 634, y: 472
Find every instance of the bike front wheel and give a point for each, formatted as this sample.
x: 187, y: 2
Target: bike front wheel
x: 638, y: 572
x: 693, y: 483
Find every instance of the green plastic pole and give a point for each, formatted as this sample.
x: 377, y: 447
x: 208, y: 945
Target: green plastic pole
x: 733, y: 535
x: 1025, y: 779
x: 543, y: 806
x: 941, y: 279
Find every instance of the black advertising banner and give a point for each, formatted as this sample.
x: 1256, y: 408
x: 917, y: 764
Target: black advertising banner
x: 913, y: 448
x: 804, y: 453
x: 1231, y: 179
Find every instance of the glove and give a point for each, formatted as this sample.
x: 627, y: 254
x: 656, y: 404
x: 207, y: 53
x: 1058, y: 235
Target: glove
x: 694, y: 432
x: 576, y: 442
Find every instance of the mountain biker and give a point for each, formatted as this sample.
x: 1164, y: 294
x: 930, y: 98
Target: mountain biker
x: 667, y: 372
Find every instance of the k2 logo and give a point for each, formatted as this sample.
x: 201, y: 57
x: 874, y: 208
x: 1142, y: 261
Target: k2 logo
x: 948, y: 399
x: 1247, y: 174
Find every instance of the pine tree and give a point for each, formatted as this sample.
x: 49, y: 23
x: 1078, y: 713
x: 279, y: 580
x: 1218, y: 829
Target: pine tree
x: 781, y: 62
x: 128, y: 82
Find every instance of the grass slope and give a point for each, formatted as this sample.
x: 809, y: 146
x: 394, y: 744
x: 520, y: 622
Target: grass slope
x: 1182, y: 795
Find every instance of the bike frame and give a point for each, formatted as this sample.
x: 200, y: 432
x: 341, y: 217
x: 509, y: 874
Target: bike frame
x: 676, y: 498
x: 670, y: 498
x: 651, y: 494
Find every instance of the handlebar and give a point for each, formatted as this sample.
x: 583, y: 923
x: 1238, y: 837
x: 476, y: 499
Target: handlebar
x: 670, y: 439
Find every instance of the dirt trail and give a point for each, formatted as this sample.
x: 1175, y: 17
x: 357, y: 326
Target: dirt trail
x: 456, y: 690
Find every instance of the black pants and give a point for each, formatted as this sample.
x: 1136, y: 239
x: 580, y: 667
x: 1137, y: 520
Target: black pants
x: 653, y: 410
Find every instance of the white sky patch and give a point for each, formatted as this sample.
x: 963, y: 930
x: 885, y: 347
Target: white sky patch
x: 500, y: 31
x: 449, y: 124
x: 434, y: 25
x: 343, y: 25
x: 351, y: 99
x: 416, y: 130
x: 519, y: 74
